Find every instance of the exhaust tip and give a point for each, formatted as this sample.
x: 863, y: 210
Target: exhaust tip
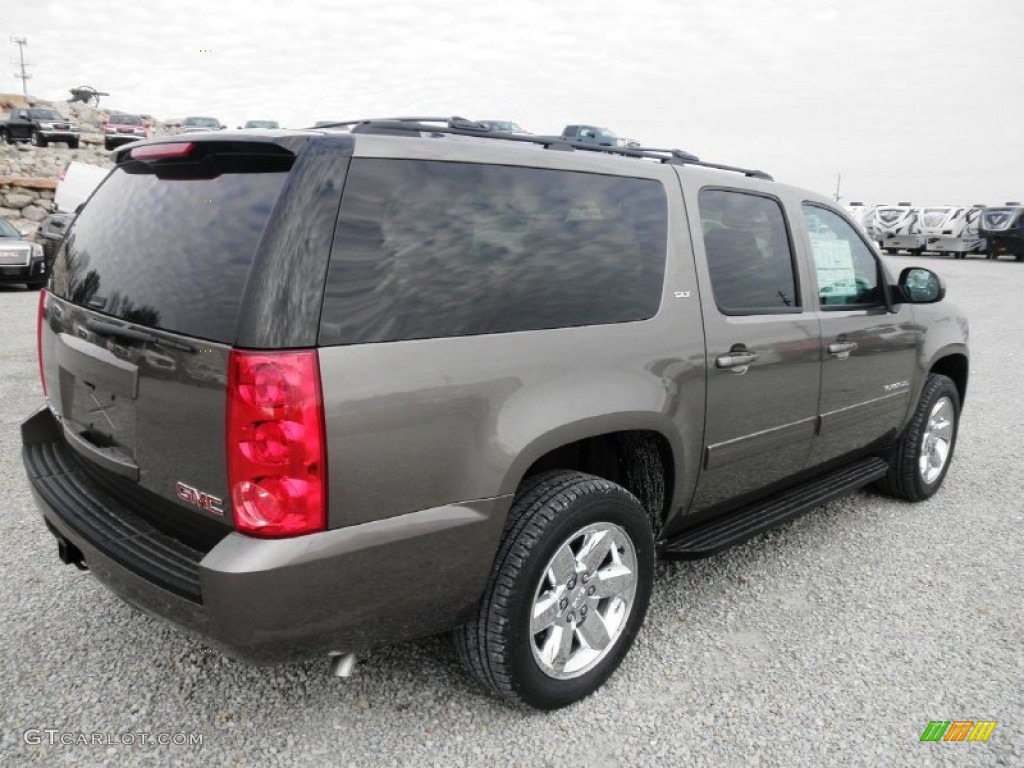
x: 69, y: 554
x: 342, y: 664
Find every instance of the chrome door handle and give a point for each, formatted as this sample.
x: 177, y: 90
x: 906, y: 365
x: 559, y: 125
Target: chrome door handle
x: 738, y: 362
x: 842, y: 349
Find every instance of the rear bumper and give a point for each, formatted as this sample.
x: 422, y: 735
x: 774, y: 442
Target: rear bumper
x: 270, y: 600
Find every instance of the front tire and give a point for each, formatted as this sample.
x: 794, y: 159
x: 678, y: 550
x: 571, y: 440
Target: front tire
x: 37, y: 139
x: 568, y: 591
x: 919, y: 462
x: 73, y: 144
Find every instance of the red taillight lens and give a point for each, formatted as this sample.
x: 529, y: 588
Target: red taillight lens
x: 40, y: 317
x: 167, y: 151
x: 275, y: 443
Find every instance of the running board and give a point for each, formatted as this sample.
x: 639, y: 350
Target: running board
x: 718, y: 534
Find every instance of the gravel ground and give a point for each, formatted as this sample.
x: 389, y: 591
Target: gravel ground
x: 829, y: 642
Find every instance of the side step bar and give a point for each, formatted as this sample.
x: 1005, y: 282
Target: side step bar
x: 719, y: 534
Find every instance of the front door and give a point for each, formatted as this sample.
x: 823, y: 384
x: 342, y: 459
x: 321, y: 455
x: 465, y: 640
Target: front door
x: 763, y: 348
x: 868, y: 350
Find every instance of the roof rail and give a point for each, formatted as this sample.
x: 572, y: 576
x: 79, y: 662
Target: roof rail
x: 461, y: 126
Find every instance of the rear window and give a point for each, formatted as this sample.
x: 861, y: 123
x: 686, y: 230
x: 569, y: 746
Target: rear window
x: 428, y: 249
x: 168, y: 253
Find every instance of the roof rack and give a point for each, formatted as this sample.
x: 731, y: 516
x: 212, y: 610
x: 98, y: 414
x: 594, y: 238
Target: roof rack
x: 460, y: 126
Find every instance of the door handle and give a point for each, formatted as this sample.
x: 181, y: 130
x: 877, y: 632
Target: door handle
x: 842, y: 349
x: 738, y: 361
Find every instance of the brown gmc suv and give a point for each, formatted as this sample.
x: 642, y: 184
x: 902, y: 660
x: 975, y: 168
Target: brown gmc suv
x: 313, y: 391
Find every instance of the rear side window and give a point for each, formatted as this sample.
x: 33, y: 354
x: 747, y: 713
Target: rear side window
x: 168, y: 253
x: 749, y: 254
x: 427, y: 249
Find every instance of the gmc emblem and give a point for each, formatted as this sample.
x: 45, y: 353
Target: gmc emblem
x: 201, y: 499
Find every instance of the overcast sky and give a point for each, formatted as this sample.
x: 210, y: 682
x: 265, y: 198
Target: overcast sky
x: 910, y: 100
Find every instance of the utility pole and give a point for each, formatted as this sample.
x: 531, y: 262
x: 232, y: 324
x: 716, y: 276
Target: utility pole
x: 21, y: 42
x: 839, y: 180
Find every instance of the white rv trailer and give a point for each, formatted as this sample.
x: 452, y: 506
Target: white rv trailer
x: 862, y: 216
x: 950, y: 229
x: 896, y: 228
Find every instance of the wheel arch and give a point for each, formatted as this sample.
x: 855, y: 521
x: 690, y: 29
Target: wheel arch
x: 632, y: 450
x: 955, y: 365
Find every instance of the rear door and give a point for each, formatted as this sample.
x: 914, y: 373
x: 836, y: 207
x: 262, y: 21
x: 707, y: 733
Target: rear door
x: 868, y: 351
x: 146, y: 294
x: 763, y: 348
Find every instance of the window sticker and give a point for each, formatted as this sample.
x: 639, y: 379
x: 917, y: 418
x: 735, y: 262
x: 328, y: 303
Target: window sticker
x: 834, y: 263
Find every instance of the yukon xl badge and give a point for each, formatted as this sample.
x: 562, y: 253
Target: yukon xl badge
x: 201, y: 499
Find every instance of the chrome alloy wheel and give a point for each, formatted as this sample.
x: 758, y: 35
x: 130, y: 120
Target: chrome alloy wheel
x: 583, y: 600
x: 936, y: 441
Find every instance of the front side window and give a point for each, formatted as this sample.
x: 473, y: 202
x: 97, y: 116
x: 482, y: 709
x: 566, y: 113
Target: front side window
x: 846, y: 270
x: 749, y: 255
x: 428, y: 249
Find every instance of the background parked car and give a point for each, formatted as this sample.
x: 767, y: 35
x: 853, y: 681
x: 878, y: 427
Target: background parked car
x: 270, y: 124
x: 120, y: 129
x: 201, y: 124
x: 40, y: 126
x: 51, y: 234
x: 590, y: 134
x: 20, y: 260
x: 503, y: 126
x: 76, y: 183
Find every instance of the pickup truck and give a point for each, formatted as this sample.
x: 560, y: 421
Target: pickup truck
x: 40, y: 126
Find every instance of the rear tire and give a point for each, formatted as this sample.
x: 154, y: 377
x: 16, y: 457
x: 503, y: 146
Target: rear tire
x: 542, y: 635
x: 920, y: 460
x: 5, y: 138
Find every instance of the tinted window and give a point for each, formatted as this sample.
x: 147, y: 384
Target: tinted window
x: 125, y: 120
x: 44, y: 114
x: 169, y: 253
x: 748, y: 251
x: 846, y: 270
x: 428, y: 249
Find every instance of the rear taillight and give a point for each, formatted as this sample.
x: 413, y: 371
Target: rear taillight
x: 275, y: 443
x: 64, y: 170
x: 40, y: 317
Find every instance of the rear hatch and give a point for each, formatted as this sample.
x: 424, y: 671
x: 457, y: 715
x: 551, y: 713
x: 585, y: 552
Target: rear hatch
x: 145, y: 300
